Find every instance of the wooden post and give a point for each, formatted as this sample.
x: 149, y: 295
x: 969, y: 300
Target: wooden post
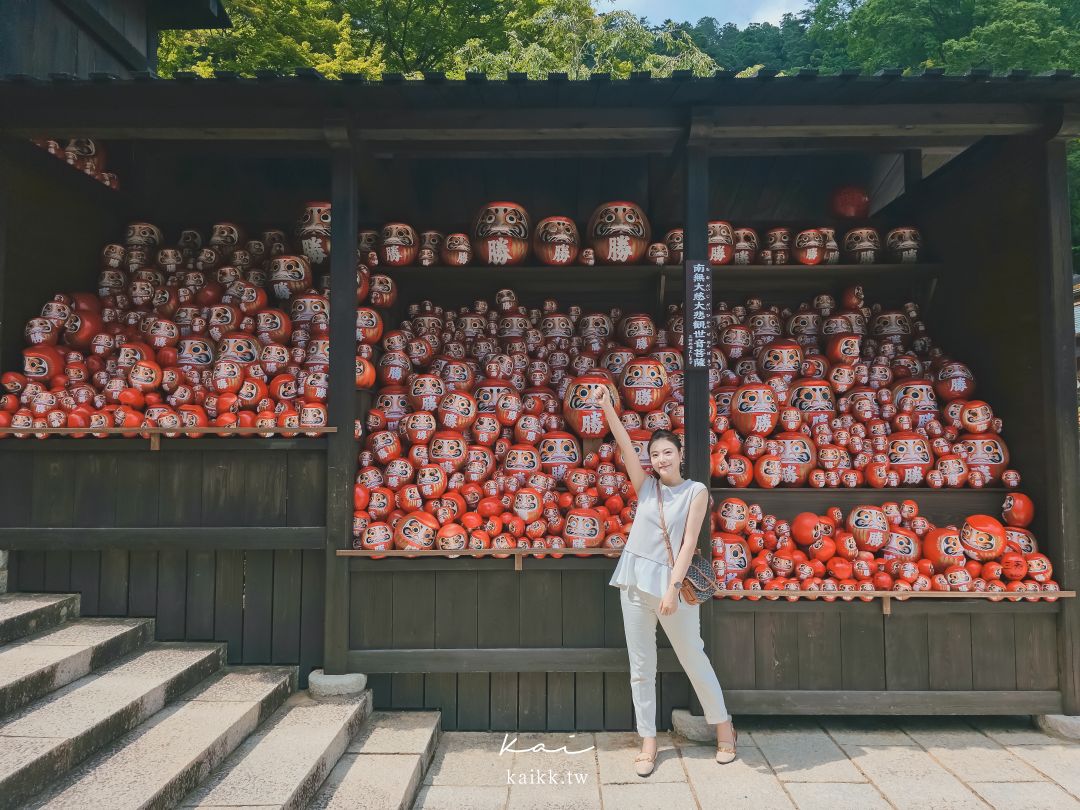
x: 913, y: 171
x: 341, y: 446
x: 1063, y: 465
x: 696, y: 378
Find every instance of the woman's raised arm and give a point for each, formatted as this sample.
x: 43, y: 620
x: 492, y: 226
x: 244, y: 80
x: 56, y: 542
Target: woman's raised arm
x: 622, y: 439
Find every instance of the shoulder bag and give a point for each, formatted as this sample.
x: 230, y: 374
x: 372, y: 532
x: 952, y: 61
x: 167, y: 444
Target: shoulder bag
x: 700, y: 583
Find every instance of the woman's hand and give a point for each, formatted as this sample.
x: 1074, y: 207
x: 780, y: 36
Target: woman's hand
x: 670, y: 603
x: 602, y: 399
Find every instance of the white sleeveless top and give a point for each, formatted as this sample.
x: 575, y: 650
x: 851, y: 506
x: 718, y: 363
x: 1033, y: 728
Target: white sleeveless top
x: 644, y: 560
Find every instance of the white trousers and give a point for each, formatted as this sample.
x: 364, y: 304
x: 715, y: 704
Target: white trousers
x: 683, y: 628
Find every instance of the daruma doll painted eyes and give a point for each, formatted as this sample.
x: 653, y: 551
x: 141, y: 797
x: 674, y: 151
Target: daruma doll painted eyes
x: 619, y: 233
x: 501, y: 234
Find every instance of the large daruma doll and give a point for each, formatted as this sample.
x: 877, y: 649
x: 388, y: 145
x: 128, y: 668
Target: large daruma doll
x: 501, y: 234
x: 619, y: 233
x: 580, y: 408
x: 644, y: 384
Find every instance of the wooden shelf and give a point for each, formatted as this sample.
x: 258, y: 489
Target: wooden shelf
x: 940, y: 505
x: 652, y: 288
x: 165, y: 538
x: 115, y: 444
x: 633, y: 287
x: 796, y: 280
x: 58, y: 169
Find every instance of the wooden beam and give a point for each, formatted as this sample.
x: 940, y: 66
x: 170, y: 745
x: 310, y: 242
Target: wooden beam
x: 906, y: 121
x: 913, y: 170
x: 613, y: 125
x: 512, y: 659
x: 165, y: 538
x: 97, y: 26
x: 341, y: 448
x: 1059, y: 417
x: 481, y: 564
x: 849, y: 702
x: 513, y: 148
x: 696, y: 376
x: 121, y: 445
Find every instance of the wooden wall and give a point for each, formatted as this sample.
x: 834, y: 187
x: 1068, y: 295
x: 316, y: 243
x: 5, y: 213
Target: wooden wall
x: 54, y: 222
x: 217, y: 538
x: 65, y: 483
x: 761, y: 647
x: 267, y: 605
x: 983, y: 215
x: 176, y: 535
x: 39, y: 37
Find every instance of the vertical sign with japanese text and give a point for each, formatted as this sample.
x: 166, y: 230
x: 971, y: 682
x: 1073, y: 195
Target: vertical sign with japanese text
x: 698, y: 315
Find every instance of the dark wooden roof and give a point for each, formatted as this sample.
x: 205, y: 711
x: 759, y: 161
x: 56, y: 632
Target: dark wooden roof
x: 646, y: 114
x: 640, y: 90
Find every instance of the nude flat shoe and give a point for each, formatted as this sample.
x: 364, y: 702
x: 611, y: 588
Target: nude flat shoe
x: 644, y: 763
x: 725, y: 751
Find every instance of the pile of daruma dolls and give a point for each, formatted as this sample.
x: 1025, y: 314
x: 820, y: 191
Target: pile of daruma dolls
x: 82, y: 154
x: 619, y: 233
x: 877, y: 548
x: 838, y: 394
x: 484, y: 432
x: 223, y: 332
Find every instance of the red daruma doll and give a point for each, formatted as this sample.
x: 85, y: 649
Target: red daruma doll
x: 580, y: 405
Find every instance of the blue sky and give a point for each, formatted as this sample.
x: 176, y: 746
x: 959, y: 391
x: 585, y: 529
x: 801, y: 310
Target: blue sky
x: 739, y: 12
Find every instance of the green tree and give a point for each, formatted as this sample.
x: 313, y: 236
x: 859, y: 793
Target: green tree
x: 420, y: 35
x: 273, y: 35
x: 569, y: 36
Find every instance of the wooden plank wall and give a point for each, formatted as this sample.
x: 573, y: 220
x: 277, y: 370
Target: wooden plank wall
x: 755, y: 646
x: 477, y: 609
x: 974, y: 214
x: 267, y: 604
x: 38, y: 37
x: 90, y: 487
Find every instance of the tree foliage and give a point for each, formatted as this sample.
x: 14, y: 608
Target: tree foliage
x: 273, y: 35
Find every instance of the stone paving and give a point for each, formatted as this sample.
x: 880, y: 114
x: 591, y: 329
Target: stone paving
x: 784, y: 763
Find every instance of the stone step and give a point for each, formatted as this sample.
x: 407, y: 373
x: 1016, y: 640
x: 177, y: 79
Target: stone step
x: 162, y: 760
x: 24, y: 613
x: 283, y: 764
x: 384, y: 764
x: 43, y: 740
x: 41, y: 663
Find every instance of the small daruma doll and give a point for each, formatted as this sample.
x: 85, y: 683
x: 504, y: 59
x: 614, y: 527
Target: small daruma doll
x: 416, y: 531
x: 556, y: 241
x: 501, y: 234
x: 581, y: 407
x: 644, y: 384
x: 398, y: 244
x: 559, y: 452
x: 584, y: 528
x: 619, y: 233
x: 910, y: 456
x: 982, y: 537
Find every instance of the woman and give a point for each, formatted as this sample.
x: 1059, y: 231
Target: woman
x: 650, y: 585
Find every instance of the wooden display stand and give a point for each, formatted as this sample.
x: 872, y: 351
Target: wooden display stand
x: 253, y: 547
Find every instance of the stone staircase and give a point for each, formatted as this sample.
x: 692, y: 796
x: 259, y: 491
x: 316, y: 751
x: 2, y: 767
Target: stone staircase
x: 95, y: 714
